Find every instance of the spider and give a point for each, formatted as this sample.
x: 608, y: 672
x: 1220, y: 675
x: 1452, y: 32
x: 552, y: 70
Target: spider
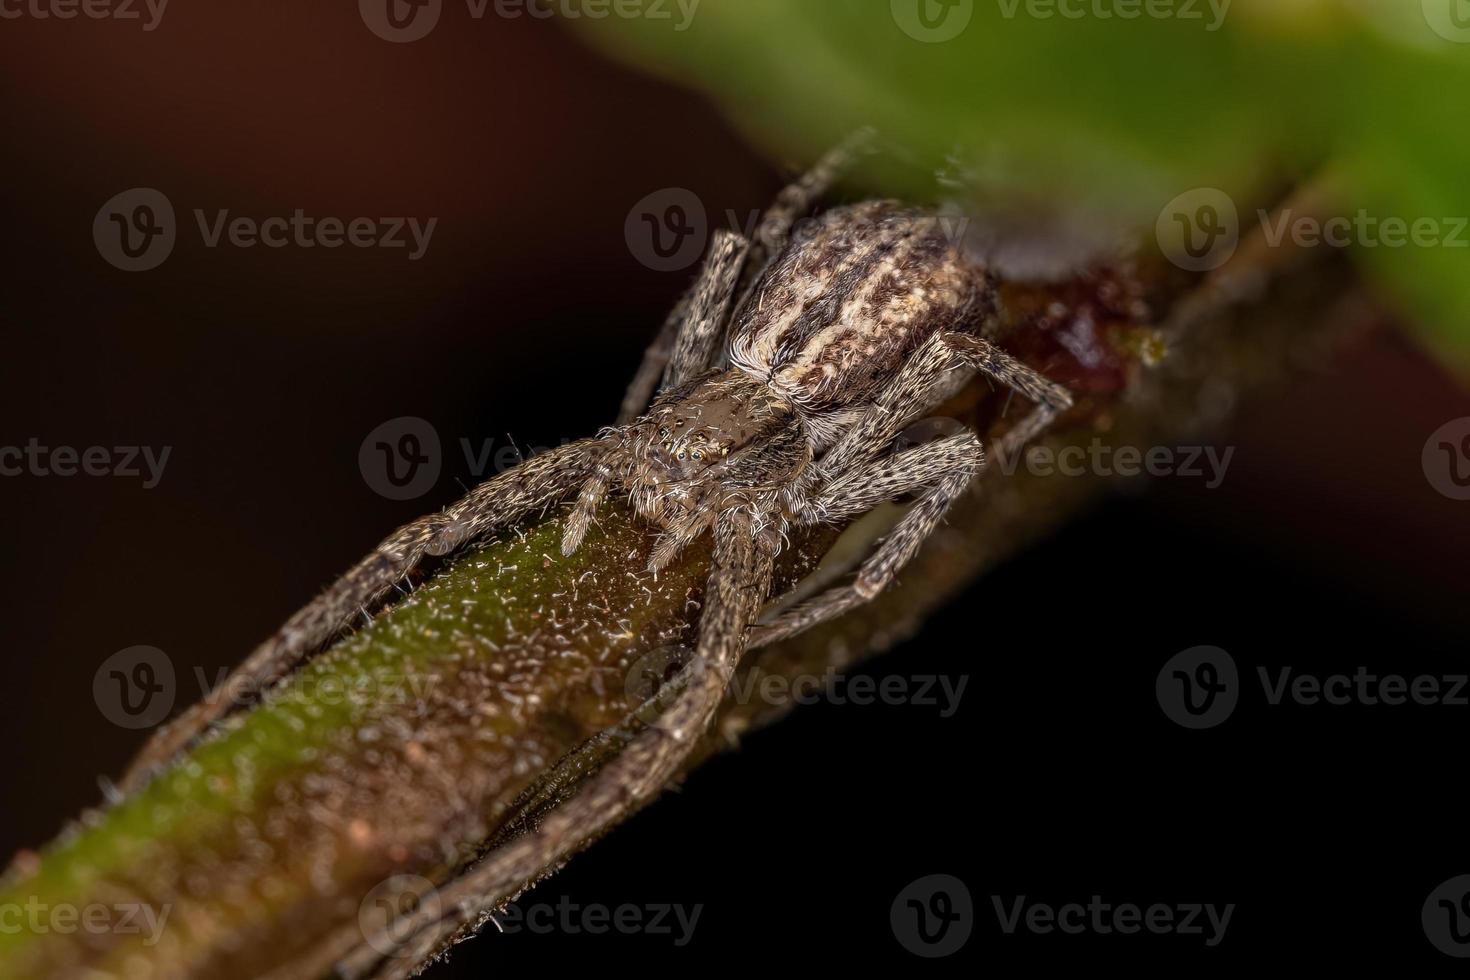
x: 784, y: 377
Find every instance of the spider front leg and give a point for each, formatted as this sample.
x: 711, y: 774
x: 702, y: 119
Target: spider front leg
x: 799, y: 197
x: 699, y: 340
x: 690, y: 338
x: 794, y: 201
x: 494, y: 504
x: 941, y: 470
x: 655, y: 361
x: 738, y: 584
x: 919, y: 386
x: 859, y: 474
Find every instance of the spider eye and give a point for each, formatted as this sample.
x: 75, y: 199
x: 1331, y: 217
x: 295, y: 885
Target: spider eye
x: 679, y: 454
x: 696, y: 455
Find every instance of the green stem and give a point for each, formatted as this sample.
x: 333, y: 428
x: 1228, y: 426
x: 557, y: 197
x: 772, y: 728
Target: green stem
x: 408, y: 744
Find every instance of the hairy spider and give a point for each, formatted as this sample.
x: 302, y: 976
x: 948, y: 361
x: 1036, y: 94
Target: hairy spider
x: 780, y: 410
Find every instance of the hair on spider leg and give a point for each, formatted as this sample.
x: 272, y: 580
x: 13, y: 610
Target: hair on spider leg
x: 805, y: 416
x: 776, y: 412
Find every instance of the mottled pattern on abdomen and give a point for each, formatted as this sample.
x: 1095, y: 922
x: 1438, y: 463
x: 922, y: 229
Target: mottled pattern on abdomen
x: 833, y: 317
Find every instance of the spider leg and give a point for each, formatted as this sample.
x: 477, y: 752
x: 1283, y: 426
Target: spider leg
x: 791, y: 203
x: 588, y: 500
x: 739, y: 581
x: 690, y: 338
x: 683, y: 532
x: 655, y: 361
x: 859, y: 473
x: 918, y: 386
x: 698, y: 343
x: 799, y: 197
x: 496, y: 503
x: 942, y: 469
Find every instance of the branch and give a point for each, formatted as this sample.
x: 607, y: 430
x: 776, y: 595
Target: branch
x: 471, y: 707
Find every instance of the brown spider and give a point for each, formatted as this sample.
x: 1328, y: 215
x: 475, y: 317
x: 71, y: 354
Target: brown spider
x: 782, y: 414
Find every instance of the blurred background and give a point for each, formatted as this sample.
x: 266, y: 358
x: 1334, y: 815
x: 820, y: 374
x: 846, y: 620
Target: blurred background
x: 263, y: 370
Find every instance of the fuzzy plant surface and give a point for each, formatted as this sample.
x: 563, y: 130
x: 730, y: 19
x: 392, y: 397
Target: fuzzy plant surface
x: 470, y: 707
x: 1086, y: 118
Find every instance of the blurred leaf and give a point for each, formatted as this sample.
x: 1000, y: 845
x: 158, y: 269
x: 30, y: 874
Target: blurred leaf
x: 1111, y: 118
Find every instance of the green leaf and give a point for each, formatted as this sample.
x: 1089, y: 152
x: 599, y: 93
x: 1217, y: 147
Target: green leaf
x: 1109, y: 117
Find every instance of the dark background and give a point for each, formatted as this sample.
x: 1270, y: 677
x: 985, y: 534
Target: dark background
x: 1059, y: 778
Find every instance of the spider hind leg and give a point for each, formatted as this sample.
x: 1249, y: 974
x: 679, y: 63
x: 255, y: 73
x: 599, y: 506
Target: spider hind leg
x: 496, y: 503
x: 941, y: 470
x: 860, y: 471
x: 739, y: 582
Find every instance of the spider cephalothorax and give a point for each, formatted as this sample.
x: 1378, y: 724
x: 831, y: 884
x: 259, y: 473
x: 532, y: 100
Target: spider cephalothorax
x: 815, y: 349
x: 782, y: 412
x: 718, y: 441
x: 716, y: 427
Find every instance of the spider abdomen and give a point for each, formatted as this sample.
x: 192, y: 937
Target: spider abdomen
x: 837, y: 313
